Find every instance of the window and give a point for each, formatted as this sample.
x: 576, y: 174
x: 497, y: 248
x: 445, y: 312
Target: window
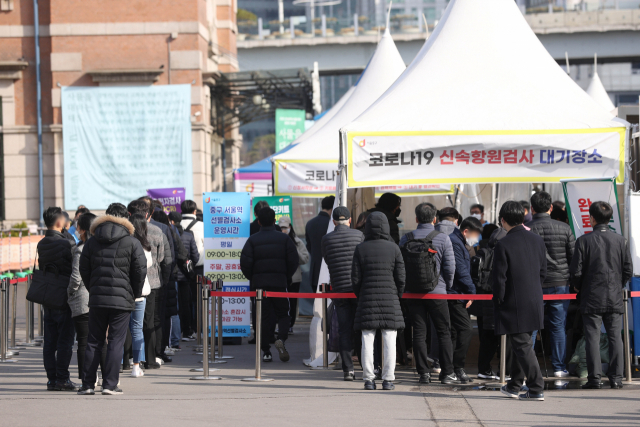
x: 635, y: 68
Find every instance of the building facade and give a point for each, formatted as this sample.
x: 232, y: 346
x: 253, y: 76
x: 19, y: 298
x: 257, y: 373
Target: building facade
x: 105, y: 43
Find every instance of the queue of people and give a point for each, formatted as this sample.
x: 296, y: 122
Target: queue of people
x: 125, y: 274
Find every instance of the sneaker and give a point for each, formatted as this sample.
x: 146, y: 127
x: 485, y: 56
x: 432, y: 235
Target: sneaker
x: 350, y: 376
x: 166, y: 359
x: 450, y: 379
x: 137, y: 372
x: 532, y: 396
x: 388, y: 385
x: 267, y: 357
x: 65, y: 386
x: 152, y: 366
x: 378, y: 373
x: 159, y: 361
x: 462, y: 376
x: 176, y: 348
x: 616, y: 385
x: 125, y: 367
x: 489, y: 375
x: 435, y: 367
x: 282, y: 351
x: 113, y: 392
x: 561, y: 374
x: 290, y: 331
x: 168, y: 351
x: 592, y: 385
x: 425, y: 378
x: 507, y: 377
x: 51, y: 386
x: 369, y: 385
x: 509, y: 393
x: 86, y: 391
x: 188, y: 338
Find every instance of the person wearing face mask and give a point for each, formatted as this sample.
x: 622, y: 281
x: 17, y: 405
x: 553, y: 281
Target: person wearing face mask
x: 461, y: 327
x: 389, y: 205
x: 477, y: 211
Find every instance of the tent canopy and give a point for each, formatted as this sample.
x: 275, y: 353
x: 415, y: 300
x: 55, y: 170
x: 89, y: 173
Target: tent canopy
x: 599, y: 94
x: 483, y: 84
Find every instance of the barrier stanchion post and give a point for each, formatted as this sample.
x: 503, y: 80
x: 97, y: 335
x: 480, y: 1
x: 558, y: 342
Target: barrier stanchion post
x: 204, y: 303
x: 198, y: 346
x: 258, y: 377
x: 7, y: 310
x: 14, y: 312
x: 213, y: 358
x: 325, y: 341
x: 220, y: 355
x: 40, y: 337
x: 625, y: 336
x: 29, y: 335
x: 503, y: 359
x: 4, y: 328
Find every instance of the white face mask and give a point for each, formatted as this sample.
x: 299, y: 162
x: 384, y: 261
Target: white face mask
x: 477, y: 216
x: 472, y: 241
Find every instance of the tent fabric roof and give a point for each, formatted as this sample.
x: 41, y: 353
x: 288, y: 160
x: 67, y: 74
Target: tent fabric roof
x: 383, y: 69
x: 599, y: 94
x: 263, y: 165
x: 483, y: 68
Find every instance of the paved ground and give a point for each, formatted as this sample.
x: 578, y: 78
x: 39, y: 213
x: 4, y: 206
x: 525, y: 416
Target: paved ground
x: 298, y: 396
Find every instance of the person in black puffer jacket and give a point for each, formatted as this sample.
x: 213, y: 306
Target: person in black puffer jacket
x: 269, y: 259
x: 389, y: 205
x: 378, y: 279
x: 337, y: 250
x: 55, y: 253
x: 113, y: 267
x: 560, y: 243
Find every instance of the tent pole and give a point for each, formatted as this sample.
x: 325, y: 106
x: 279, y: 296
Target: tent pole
x: 493, y: 203
x: 342, y: 169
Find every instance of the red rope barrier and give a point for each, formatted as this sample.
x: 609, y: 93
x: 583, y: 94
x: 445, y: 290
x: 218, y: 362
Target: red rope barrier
x: 634, y: 294
x: 309, y: 295
x: 232, y: 294
x: 465, y: 297
x: 19, y: 280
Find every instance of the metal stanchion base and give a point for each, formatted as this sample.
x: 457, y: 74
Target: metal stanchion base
x: 257, y: 380
x: 8, y: 361
x: 215, y: 361
x: 198, y: 353
x: 224, y: 357
x: 13, y: 353
x: 202, y: 370
x: 321, y: 368
x: 17, y: 348
x: 205, y: 378
x: 29, y: 344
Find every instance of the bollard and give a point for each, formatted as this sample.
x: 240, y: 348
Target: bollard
x: 503, y: 359
x: 4, y: 328
x: 625, y: 336
x: 325, y: 341
x: 14, y: 310
x: 219, y: 285
x: 258, y: 331
x: 204, y: 294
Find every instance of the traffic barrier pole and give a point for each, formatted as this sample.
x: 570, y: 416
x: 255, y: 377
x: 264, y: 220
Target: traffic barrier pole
x: 503, y: 359
x: 204, y: 303
x: 4, y: 328
x: 198, y: 346
x: 14, y: 310
x: 213, y: 358
x: 40, y: 337
x: 625, y: 336
x: 6, y: 311
x: 258, y: 377
x: 219, y: 299
x: 325, y: 341
x: 29, y: 339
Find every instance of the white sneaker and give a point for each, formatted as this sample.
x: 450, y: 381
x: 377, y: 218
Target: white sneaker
x: 131, y: 361
x: 561, y: 374
x: 169, y: 351
x: 136, y: 371
x: 159, y: 361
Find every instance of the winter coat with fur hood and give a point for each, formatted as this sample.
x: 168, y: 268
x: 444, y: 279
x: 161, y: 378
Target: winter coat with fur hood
x: 113, y: 265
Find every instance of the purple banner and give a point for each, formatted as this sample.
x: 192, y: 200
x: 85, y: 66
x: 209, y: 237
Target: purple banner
x: 169, y: 197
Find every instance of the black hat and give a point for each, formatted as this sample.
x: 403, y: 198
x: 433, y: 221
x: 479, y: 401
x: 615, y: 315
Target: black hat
x: 341, y: 213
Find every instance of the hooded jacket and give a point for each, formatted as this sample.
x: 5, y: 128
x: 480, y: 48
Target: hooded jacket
x: 447, y: 227
x: 113, y: 265
x: 393, y: 221
x: 378, y: 278
x: 269, y: 259
x: 560, y: 243
x: 338, y: 248
x: 600, y: 269
x: 462, y: 283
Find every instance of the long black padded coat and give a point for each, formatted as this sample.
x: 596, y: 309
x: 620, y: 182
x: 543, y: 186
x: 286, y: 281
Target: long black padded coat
x: 113, y: 265
x: 338, y: 248
x: 378, y: 277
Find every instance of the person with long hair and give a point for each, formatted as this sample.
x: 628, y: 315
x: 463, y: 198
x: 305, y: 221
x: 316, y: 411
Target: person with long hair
x: 137, y: 315
x: 303, y: 254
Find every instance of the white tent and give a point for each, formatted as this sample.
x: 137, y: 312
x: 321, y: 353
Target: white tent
x: 597, y: 91
x: 483, y: 101
x: 325, y: 118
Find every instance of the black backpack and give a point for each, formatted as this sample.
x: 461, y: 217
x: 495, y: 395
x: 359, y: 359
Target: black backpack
x: 420, y: 263
x: 481, y: 265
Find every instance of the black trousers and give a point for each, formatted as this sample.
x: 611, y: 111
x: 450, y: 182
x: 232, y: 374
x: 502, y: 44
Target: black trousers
x: 161, y: 308
x: 293, y: 302
x: 461, y: 332
x: 489, y: 347
x: 274, y: 310
x: 148, y: 327
x: 613, y: 326
x: 524, y: 364
x: 57, y: 348
x: 184, y: 302
x: 438, y: 311
x: 117, y: 322
x: 346, y: 309
x: 81, y: 324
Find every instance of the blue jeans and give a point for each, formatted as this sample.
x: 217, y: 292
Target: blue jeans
x: 57, y: 348
x: 555, y: 320
x: 174, y: 339
x: 137, y: 337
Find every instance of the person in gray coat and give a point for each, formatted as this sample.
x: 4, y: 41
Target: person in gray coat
x: 284, y: 223
x: 338, y: 248
x: 447, y: 220
x: 78, y: 296
x: 378, y: 279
